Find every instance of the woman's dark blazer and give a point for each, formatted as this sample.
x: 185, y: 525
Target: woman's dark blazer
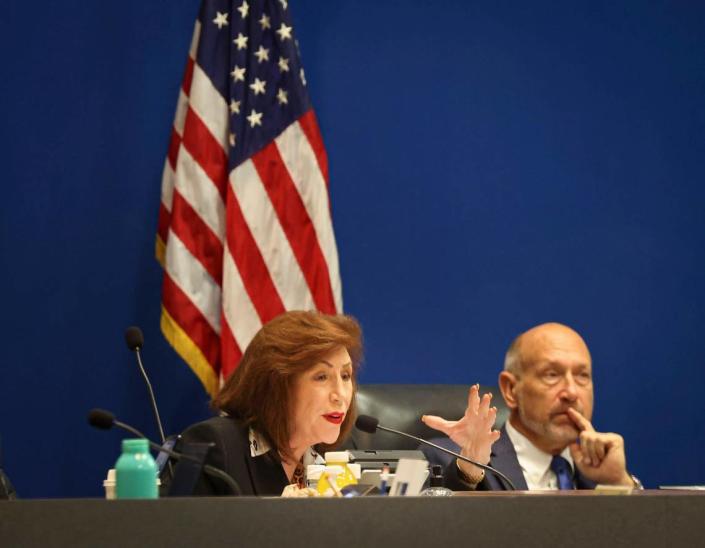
x: 257, y: 476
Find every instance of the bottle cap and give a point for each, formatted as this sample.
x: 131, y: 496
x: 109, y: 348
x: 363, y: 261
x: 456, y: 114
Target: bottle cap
x: 135, y: 446
x: 337, y: 456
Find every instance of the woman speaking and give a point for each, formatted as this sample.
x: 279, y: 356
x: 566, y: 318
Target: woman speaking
x: 291, y: 398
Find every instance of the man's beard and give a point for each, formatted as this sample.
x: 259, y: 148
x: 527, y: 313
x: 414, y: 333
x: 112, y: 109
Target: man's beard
x: 554, y: 434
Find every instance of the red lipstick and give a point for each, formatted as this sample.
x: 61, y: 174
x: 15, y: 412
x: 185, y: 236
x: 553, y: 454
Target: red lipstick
x: 335, y: 418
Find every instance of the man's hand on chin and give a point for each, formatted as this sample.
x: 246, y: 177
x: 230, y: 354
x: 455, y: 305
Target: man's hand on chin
x: 599, y: 456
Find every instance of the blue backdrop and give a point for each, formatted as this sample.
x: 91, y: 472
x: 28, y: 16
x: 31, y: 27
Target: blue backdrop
x: 494, y: 165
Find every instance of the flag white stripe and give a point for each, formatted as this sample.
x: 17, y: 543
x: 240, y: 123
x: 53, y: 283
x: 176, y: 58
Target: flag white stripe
x: 187, y: 273
x: 208, y: 103
x: 180, y: 114
x: 238, y: 310
x: 167, y: 186
x: 271, y: 240
x: 194, y: 39
x: 300, y: 161
x: 199, y: 191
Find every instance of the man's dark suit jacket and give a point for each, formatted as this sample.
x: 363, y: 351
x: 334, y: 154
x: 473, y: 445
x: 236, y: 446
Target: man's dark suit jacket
x: 503, y: 457
x: 258, y: 476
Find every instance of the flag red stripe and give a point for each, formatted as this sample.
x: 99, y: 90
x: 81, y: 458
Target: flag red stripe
x: 297, y: 225
x: 197, y: 236
x: 191, y: 320
x: 230, y: 351
x: 188, y: 76
x: 164, y: 221
x: 309, y: 125
x: 206, y: 151
x: 248, y: 259
x: 174, y: 144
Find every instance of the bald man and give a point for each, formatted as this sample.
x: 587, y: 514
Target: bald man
x: 548, y: 441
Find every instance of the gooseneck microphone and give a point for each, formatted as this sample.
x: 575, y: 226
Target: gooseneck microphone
x: 371, y: 425
x: 105, y: 420
x: 135, y: 341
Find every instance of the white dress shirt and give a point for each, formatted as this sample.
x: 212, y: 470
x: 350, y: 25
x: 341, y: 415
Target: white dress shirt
x: 534, y: 463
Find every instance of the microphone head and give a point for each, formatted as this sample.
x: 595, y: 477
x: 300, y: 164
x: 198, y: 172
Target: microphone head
x: 367, y: 424
x: 134, y: 338
x: 100, y: 418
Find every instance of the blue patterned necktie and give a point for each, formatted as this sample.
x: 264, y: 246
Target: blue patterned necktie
x: 563, y: 472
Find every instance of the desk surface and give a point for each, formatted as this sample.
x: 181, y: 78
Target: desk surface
x: 576, y: 519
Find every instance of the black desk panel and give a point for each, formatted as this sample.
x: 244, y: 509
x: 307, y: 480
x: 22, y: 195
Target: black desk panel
x: 659, y: 519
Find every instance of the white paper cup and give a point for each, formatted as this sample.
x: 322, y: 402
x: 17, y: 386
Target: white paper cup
x: 109, y: 485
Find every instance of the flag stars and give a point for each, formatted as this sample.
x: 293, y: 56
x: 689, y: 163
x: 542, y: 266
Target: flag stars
x: 255, y: 118
x: 231, y: 139
x: 258, y: 86
x: 238, y: 74
x: 234, y: 106
x: 284, y: 3
x: 241, y: 41
x: 221, y: 19
x: 284, y: 32
x: 283, y: 64
x: 262, y: 54
x: 303, y: 77
x: 282, y: 97
x: 244, y: 9
x: 265, y: 22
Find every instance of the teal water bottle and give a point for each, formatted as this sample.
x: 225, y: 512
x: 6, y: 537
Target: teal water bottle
x: 136, y: 472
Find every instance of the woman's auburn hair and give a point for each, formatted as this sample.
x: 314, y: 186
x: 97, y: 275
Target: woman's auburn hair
x: 259, y: 391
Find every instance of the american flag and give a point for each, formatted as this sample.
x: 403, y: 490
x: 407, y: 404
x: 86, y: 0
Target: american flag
x: 245, y: 230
